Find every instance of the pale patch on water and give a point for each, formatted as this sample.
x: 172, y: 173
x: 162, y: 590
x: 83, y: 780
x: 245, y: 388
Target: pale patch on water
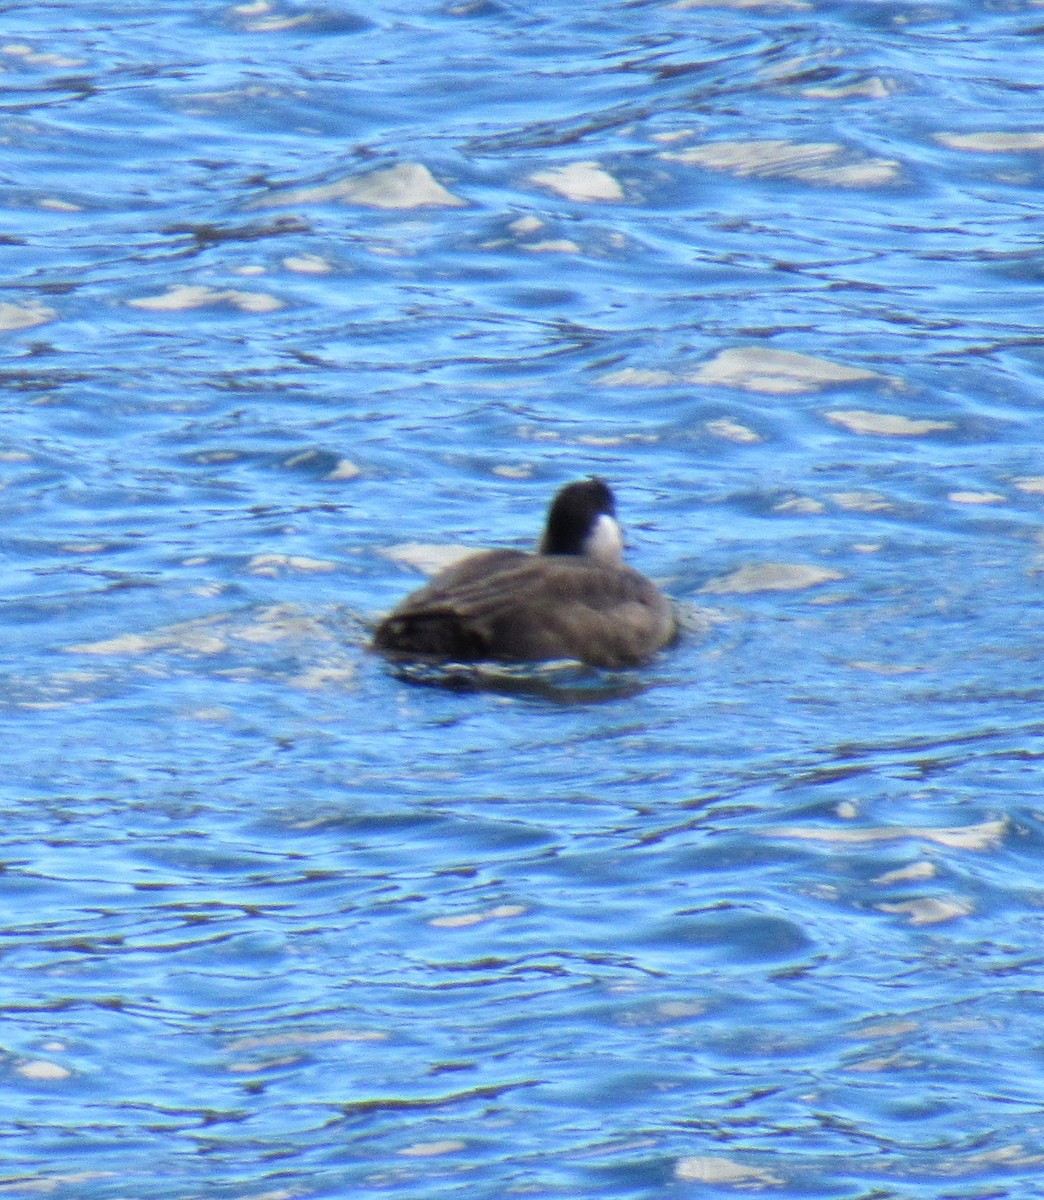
x: 24, y: 316
x: 611, y: 439
x: 204, y: 104
x: 777, y: 372
x: 857, y: 420
x: 881, y: 668
x: 778, y: 158
x: 732, y: 431
x: 866, y: 502
x: 929, y: 910
x: 216, y: 714
x: 534, y: 433
x: 519, y: 471
x: 54, y: 204
x: 274, y: 565
x: 887, y: 1064
x: 60, y: 690
x: 321, y: 679
x: 792, y: 5
x: 914, y: 873
x: 465, y: 920
x: 293, y: 1047
x: 255, y: 1067
x: 321, y: 1037
x: 433, y: 1149
x: 207, y: 637
x: 680, y: 1010
x: 638, y: 377
x: 670, y: 136
x: 1007, y: 1156
x: 884, y: 1029
x: 803, y: 506
x: 993, y: 143
x: 140, y: 643
x: 41, y: 1070
x: 525, y: 226
x: 751, y: 368
x: 771, y: 577
x: 181, y: 297
x: 726, y: 1172
x: 427, y: 558
x: 976, y: 498
x: 985, y: 836
x: 308, y: 264
x: 533, y: 235
x: 580, y: 181
x: 40, y: 58
x: 405, y: 186
x: 344, y: 470
x: 262, y: 16
x: 45, y: 1184
x: 870, y: 89
x: 554, y: 246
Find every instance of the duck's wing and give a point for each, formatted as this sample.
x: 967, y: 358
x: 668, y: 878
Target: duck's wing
x: 513, y: 606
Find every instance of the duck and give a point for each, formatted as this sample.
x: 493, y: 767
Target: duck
x: 574, y: 598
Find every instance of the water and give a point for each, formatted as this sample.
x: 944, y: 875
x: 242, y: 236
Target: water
x: 764, y: 916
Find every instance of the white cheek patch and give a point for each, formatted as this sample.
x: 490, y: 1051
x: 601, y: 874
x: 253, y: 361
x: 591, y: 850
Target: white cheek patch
x: 605, y: 541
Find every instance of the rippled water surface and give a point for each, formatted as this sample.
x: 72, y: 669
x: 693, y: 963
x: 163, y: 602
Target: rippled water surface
x: 294, y: 294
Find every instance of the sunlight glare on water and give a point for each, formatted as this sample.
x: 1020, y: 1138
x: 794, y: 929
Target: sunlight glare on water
x: 299, y: 299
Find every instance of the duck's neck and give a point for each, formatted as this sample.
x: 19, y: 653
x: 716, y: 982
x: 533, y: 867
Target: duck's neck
x: 605, y: 543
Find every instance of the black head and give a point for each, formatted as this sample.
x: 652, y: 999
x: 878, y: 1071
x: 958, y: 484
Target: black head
x: 574, y: 516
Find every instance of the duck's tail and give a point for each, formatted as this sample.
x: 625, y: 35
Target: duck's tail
x: 431, y: 633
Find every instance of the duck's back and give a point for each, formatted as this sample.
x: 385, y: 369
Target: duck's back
x: 512, y: 606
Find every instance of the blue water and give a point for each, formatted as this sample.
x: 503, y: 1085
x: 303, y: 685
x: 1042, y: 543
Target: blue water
x: 763, y: 916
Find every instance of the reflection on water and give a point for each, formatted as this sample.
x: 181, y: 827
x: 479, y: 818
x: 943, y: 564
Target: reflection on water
x: 301, y: 299
x: 565, y: 683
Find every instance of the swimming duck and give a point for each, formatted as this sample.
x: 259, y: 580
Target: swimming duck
x: 574, y: 598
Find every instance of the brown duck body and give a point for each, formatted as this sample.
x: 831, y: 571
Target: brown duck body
x: 507, y: 605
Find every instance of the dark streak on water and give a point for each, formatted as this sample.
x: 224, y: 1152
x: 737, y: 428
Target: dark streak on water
x: 277, y: 922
